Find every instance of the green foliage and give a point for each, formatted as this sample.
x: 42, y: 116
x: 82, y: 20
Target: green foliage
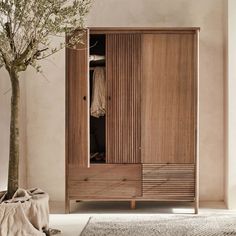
x: 26, y: 27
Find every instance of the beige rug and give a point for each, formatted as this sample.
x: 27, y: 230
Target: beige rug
x: 166, y: 225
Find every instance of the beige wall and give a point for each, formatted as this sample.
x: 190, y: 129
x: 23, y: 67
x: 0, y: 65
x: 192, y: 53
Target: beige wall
x: 5, y: 101
x: 231, y: 161
x: 46, y: 97
x: 46, y: 127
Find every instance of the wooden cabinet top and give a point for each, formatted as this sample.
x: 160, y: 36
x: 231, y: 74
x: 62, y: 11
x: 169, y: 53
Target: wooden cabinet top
x: 104, y: 30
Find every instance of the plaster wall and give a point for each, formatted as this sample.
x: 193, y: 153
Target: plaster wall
x: 231, y: 57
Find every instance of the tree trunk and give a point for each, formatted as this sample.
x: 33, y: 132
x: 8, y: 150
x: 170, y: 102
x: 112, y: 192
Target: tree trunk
x: 13, y: 169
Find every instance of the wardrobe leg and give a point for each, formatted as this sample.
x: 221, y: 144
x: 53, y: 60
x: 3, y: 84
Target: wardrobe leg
x: 133, y: 204
x: 67, y: 206
x: 196, y: 207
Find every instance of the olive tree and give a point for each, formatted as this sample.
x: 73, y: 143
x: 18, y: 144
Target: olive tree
x: 26, y: 27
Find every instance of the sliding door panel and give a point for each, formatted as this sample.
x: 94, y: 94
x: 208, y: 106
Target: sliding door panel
x: 123, y: 98
x: 168, y: 98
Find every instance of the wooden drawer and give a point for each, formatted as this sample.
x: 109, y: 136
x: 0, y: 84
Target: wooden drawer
x: 104, y: 189
x: 169, y: 181
x: 105, y: 181
x: 106, y: 172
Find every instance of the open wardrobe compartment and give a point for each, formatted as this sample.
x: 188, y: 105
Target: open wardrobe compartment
x: 97, y: 94
x: 132, y: 116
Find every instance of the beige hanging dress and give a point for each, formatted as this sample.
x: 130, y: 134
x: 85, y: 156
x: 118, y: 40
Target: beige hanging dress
x: 98, y: 93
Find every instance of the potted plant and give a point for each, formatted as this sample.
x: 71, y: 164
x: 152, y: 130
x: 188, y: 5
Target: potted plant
x: 26, y: 27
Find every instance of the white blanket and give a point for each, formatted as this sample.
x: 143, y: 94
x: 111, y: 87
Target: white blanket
x: 26, y: 214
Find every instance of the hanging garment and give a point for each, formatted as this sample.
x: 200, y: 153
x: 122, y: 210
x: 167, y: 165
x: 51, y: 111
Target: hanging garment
x: 96, y: 58
x: 98, y: 92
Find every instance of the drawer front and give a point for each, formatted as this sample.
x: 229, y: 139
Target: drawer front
x: 104, y: 189
x: 106, y: 172
x: 105, y: 181
x: 169, y: 181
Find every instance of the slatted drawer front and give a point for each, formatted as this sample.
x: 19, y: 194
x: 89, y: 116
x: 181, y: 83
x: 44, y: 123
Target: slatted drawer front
x: 105, y: 181
x: 169, y: 181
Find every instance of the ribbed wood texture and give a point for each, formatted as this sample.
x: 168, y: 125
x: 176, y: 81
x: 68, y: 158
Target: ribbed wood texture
x: 105, y: 181
x: 168, y: 98
x: 169, y: 181
x: 123, y: 101
x: 77, y: 107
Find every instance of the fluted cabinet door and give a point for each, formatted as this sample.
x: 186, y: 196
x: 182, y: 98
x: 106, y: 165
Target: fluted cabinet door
x: 168, y: 98
x: 77, y: 107
x: 123, y: 56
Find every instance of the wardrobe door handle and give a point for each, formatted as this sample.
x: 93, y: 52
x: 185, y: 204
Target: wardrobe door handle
x: 84, y: 98
x: 109, y: 98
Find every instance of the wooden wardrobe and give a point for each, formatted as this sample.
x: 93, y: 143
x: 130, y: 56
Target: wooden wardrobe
x: 147, y: 141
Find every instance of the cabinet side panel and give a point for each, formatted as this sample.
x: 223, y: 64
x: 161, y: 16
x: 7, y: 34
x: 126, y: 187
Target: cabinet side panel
x: 168, y: 101
x: 123, y: 98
